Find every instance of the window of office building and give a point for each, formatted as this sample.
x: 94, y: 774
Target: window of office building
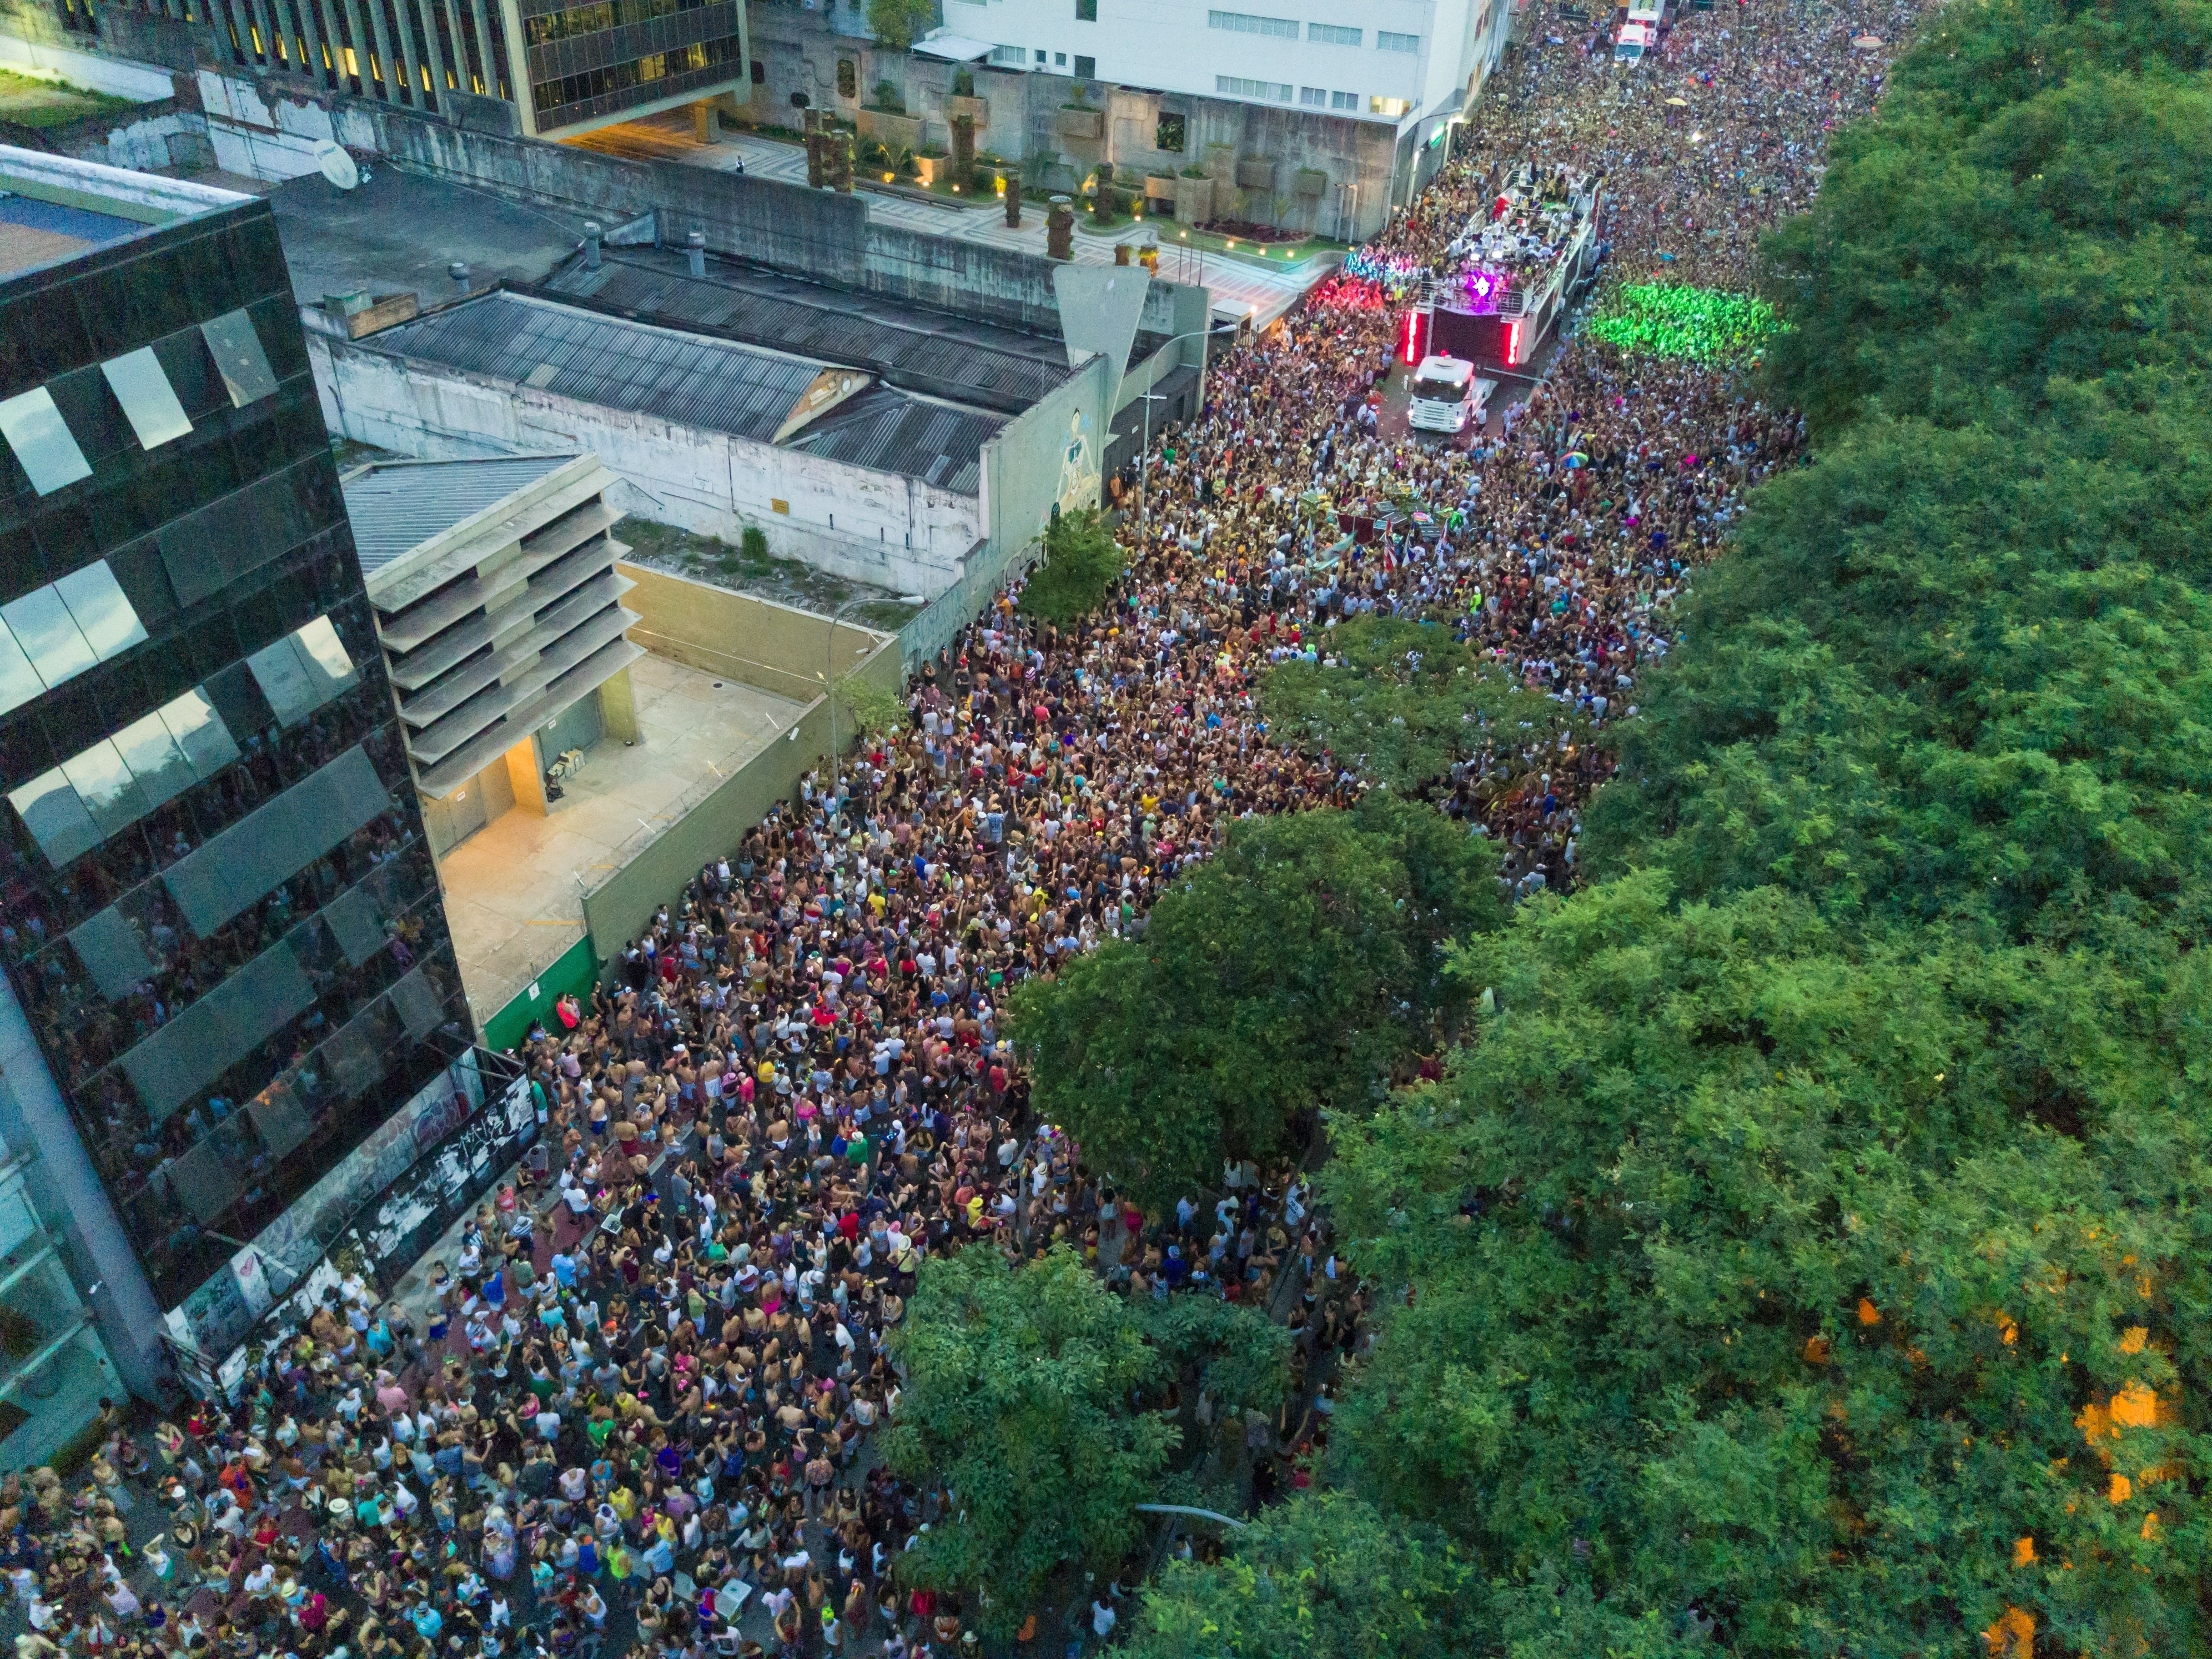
x: 1014, y: 56
x: 1086, y: 68
x: 1385, y: 41
x: 1343, y: 100
x: 1314, y: 97
x: 1086, y: 11
x: 1235, y: 86
x: 1394, y: 108
x: 1333, y: 35
x: 1244, y: 22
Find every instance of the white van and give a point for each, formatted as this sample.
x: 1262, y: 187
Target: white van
x: 1634, y: 41
x: 1443, y: 395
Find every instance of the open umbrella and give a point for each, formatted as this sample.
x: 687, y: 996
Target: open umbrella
x: 1865, y: 42
x: 1679, y: 103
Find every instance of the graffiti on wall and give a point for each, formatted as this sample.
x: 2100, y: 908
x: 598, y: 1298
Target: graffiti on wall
x: 216, y: 1317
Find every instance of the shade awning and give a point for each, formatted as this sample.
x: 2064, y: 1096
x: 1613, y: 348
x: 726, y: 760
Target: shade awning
x: 954, y: 49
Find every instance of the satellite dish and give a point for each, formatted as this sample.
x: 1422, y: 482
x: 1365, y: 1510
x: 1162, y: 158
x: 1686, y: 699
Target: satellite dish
x: 336, y: 166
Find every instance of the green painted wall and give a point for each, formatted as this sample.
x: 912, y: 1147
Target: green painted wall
x: 573, y: 970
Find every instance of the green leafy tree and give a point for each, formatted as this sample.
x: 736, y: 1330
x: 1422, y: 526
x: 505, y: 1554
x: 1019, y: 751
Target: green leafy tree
x: 1325, y: 1577
x: 1236, y: 1354
x: 1082, y: 562
x: 1291, y: 970
x: 872, y: 709
x: 1018, y: 1384
x: 1845, y: 1290
x: 1403, y: 702
x: 1946, y: 671
x: 897, y: 24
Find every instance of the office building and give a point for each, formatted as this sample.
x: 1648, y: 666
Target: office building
x: 1316, y: 119
x: 223, y: 938
x: 539, y: 67
x: 54, y: 1369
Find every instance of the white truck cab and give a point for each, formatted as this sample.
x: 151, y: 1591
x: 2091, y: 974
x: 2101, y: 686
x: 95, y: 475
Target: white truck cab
x: 1445, y: 396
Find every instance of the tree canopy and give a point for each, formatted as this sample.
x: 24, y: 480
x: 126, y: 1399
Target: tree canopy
x: 1289, y: 971
x: 1402, y: 701
x: 1017, y: 1383
x: 1324, y: 1578
x: 1082, y: 562
x: 1023, y: 1392
x: 1802, y: 1254
x: 1761, y: 1260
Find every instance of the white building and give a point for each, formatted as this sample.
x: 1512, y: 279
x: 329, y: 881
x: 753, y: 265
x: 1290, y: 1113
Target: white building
x: 1406, y: 67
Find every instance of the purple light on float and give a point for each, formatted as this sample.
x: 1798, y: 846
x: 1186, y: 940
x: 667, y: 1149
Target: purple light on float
x: 1484, y: 288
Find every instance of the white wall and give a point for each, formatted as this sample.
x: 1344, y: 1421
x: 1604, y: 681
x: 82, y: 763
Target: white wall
x: 275, y: 139
x: 852, y: 521
x: 117, y: 76
x: 1167, y: 43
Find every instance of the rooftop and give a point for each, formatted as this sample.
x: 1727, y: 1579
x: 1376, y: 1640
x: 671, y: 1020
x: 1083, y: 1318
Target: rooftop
x: 55, y: 207
x: 513, y: 891
x: 397, y: 506
x: 698, y: 380
x: 931, y: 352
x: 397, y: 232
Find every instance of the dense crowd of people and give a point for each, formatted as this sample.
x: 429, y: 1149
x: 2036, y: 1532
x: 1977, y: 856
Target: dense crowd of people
x: 646, y: 1414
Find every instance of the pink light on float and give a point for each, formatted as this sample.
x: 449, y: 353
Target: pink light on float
x: 1414, y: 336
x: 1484, y: 288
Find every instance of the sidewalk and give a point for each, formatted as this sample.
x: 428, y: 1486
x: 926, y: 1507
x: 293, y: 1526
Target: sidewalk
x: 1235, y: 287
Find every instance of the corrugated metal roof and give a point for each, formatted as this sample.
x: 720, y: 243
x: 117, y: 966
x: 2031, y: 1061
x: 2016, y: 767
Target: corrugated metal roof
x: 883, y: 429
x: 688, y: 378
x: 396, y: 507
x: 602, y: 360
x: 948, y: 357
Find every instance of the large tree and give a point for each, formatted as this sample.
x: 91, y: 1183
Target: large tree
x: 1080, y: 565
x: 1289, y: 971
x: 1401, y: 702
x: 1018, y: 1384
x: 1848, y: 1292
x: 1321, y: 1577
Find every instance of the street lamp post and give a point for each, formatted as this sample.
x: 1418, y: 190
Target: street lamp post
x: 829, y: 680
x: 1144, y: 455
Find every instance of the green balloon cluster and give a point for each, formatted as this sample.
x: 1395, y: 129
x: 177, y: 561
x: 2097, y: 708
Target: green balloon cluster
x: 1702, y: 324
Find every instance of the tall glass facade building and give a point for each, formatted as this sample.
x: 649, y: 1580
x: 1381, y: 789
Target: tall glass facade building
x: 222, y: 931
x: 535, y: 68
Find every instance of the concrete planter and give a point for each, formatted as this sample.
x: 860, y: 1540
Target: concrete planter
x: 1084, y: 124
x: 934, y: 169
x: 1256, y: 172
x: 1310, y: 183
x: 1157, y: 188
x: 893, y: 131
x: 977, y: 110
x: 1193, y: 200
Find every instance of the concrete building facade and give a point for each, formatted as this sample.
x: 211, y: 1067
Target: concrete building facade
x: 1307, y: 119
